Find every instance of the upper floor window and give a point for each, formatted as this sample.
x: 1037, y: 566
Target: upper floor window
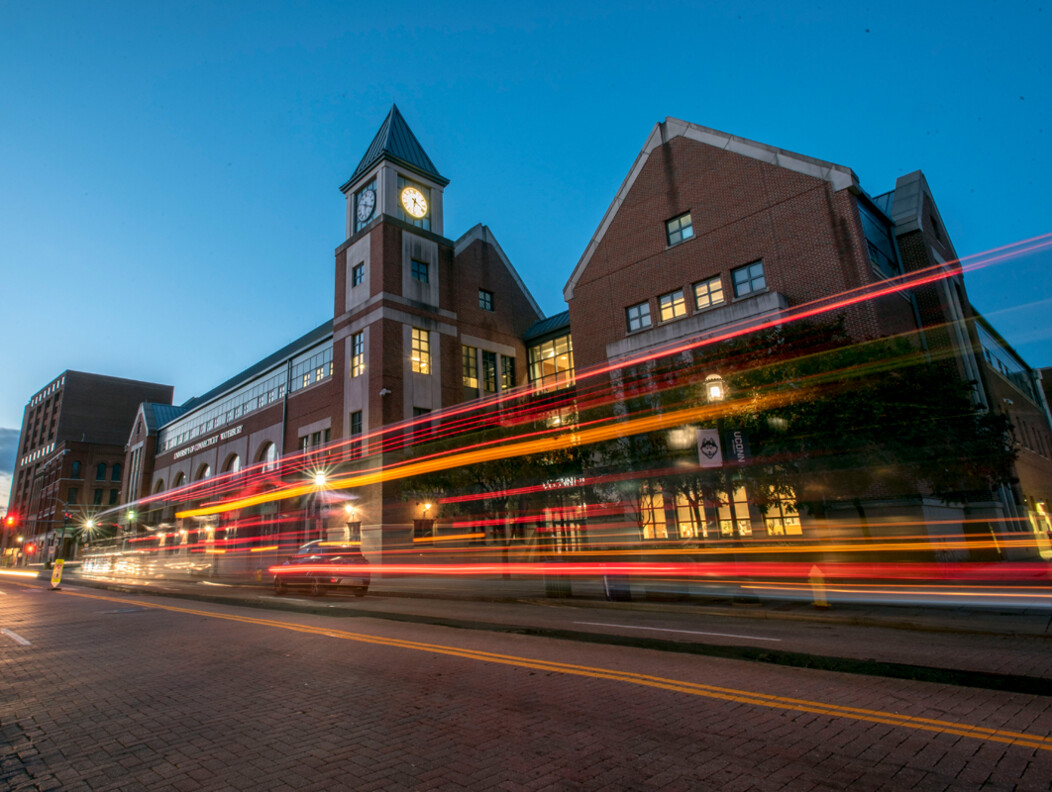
x: 114, y: 496
x: 489, y: 371
x: 421, y: 351
x: 507, y: 372
x: 96, y: 497
x: 470, y: 370
x: 355, y: 432
x: 748, y: 279
x: 551, y: 362
x: 358, y: 274
x: 708, y: 293
x: 357, y: 354
x: 672, y: 305
x: 679, y: 229
x: 419, y: 271
x: 115, y: 475
x: 100, y: 471
x: 638, y: 316
x: 71, y: 495
x: 75, y: 472
x: 485, y: 300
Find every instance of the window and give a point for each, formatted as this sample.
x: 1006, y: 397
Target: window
x: 71, y: 496
x: 507, y: 372
x: 419, y: 270
x: 470, y: 373
x: 116, y: 474
x: 97, y: 499
x: 485, y: 300
x: 419, y: 412
x: 782, y: 518
x: 708, y: 293
x: 355, y: 432
x: 421, y: 351
x: 672, y: 306
x: 638, y: 316
x: 358, y: 274
x: 114, y: 494
x: 75, y: 472
x: 489, y: 371
x: 100, y: 471
x: 551, y: 361
x: 679, y: 229
x: 879, y: 241
x: 748, y: 279
x: 358, y: 354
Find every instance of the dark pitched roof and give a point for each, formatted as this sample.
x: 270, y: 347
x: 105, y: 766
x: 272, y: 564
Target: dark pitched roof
x: 396, y: 142
x: 543, y: 327
x: 157, y: 415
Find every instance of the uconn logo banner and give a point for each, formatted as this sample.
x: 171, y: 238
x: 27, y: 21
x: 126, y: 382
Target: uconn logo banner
x: 712, y: 448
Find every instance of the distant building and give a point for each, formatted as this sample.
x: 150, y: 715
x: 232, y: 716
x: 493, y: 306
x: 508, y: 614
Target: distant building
x: 69, y: 463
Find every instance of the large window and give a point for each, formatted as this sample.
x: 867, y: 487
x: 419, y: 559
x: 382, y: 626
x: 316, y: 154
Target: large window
x: 679, y: 229
x: 489, y: 371
x: 470, y: 375
x: 358, y: 354
x: 748, y: 279
x: 507, y: 372
x: 551, y: 361
x: 672, y: 305
x: 638, y: 316
x: 421, y: 351
x: 708, y: 293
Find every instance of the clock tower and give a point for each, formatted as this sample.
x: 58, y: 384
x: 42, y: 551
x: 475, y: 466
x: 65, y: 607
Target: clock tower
x: 395, y: 178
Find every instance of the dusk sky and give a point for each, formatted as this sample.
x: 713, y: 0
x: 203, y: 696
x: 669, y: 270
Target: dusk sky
x: 169, y: 200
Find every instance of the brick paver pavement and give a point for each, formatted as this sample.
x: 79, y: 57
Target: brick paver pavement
x: 114, y: 695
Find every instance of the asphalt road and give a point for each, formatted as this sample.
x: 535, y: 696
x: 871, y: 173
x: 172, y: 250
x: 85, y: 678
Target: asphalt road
x: 112, y: 690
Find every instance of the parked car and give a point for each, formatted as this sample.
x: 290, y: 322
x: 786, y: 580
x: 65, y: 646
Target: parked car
x: 324, y: 566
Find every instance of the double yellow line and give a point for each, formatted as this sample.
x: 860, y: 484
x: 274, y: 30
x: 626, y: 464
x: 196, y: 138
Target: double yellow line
x: 691, y: 688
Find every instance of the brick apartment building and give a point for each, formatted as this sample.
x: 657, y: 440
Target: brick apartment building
x: 70, y: 457
x: 707, y: 231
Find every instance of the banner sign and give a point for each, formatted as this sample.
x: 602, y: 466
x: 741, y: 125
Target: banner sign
x: 710, y: 455
x: 737, y: 446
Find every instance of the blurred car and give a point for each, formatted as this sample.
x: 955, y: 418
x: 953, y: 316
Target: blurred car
x: 324, y: 566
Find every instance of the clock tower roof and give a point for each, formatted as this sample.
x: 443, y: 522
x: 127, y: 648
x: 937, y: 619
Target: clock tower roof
x: 395, y: 141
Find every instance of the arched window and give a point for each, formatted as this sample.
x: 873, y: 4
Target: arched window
x: 233, y: 464
x: 100, y: 471
x: 116, y: 474
x: 159, y: 486
x: 269, y: 456
x: 180, y: 479
x: 204, y: 472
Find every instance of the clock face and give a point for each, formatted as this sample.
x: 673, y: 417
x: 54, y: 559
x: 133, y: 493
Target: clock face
x: 366, y: 204
x: 414, y: 202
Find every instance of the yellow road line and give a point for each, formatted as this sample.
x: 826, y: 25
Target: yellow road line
x: 691, y: 688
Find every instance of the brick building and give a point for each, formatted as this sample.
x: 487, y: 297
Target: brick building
x: 70, y: 457
x: 708, y: 231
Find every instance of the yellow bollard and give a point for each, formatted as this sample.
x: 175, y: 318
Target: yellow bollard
x: 818, y: 587
x: 56, y: 573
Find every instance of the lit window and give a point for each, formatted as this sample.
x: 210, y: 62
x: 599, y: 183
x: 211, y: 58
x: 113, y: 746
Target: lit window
x: 470, y: 371
x: 679, y: 229
x: 357, y: 354
x: 421, y: 351
x: 551, y: 362
x: 485, y: 300
x: 419, y: 271
x: 748, y: 279
x: 782, y: 518
x: 708, y: 293
x: 507, y: 372
x: 358, y: 274
x: 672, y: 306
x: 638, y: 316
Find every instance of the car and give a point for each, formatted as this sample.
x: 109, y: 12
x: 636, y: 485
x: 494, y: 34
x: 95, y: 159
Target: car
x: 320, y: 567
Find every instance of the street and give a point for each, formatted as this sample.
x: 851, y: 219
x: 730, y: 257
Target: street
x: 107, y: 690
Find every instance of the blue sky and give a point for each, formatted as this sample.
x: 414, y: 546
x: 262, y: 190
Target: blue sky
x: 170, y: 172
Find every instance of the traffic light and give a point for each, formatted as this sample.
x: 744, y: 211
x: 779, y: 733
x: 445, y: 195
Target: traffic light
x: 11, y: 521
